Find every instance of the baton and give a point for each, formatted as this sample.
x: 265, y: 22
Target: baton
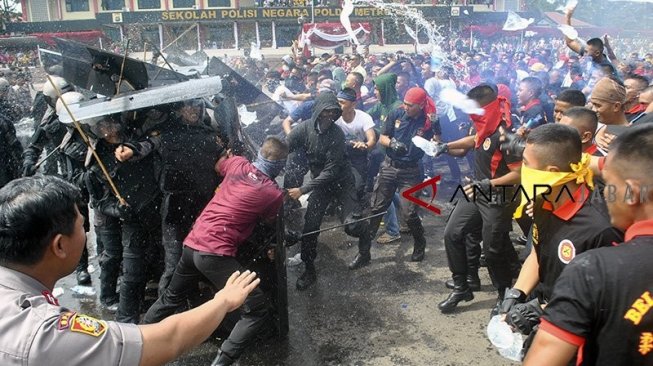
x: 37, y: 165
x: 345, y: 224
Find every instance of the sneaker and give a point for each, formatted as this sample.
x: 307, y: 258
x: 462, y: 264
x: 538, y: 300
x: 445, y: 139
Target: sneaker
x: 387, y: 238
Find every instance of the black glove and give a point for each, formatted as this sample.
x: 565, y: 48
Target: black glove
x: 29, y: 170
x: 512, y: 296
x: 76, y: 150
x: 513, y: 145
x: 524, y: 317
x: 127, y: 212
x: 398, y: 147
x: 292, y: 237
x: 441, y: 148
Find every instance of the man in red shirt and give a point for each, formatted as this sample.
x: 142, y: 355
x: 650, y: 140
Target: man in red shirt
x: 247, y: 195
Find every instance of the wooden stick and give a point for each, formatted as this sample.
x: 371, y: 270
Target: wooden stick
x: 122, y: 68
x: 79, y: 129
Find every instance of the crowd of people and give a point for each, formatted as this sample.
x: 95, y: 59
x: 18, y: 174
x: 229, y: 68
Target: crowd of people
x: 565, y: 114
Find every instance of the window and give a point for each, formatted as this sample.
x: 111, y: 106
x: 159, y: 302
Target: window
x: 219, y: 3
x: 113, y: 4
x: 183, y: 3
x: 149, y: 4
x: 220, y: 35
x: 76, y: 5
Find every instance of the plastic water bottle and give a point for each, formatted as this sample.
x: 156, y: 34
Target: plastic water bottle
x: 427, y: 146
x: 508, y: 343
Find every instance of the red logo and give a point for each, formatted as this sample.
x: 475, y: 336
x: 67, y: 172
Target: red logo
x: 408, y: 194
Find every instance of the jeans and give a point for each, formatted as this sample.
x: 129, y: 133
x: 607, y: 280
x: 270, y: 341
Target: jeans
x: 390, y: 218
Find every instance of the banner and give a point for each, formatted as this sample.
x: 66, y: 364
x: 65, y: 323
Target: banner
x: 332, y: 35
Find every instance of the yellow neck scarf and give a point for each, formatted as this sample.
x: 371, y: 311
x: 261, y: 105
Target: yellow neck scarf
x: 581, y: 172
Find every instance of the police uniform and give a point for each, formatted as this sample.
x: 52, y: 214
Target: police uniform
x: 578, y: 225
x: 37, y: 331
x: 402, y: 172
x: 602, y: 302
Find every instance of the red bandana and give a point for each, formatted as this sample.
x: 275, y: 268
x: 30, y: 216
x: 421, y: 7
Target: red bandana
x: 418, y: 96
x: 487, y: 124
x: 637, y: 108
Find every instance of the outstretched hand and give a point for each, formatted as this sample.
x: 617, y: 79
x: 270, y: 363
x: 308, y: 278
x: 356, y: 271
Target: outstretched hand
x: 238, y: 286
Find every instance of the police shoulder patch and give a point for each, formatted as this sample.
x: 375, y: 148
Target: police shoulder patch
x: 566, y: 251
x: 88, y: 325
x: 487, y: 143
x: 65, y: 320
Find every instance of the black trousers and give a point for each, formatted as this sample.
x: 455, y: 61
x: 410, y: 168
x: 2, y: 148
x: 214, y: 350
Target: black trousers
x: 141, y: 245
x: 194, y: 266
x: 345, y: 194
x: 494, y: 223
x: 107, y: 230
x: 178, y: 213
x: 390, y: 179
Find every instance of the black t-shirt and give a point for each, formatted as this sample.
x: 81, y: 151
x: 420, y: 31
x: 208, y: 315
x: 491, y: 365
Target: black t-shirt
x: 580, y: 224
x: 403, y: 129
x: 603, y: 302
x: 490, y: 162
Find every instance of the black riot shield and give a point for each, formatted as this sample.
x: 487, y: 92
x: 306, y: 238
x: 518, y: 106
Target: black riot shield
x: 244, y: 92
x: 97, y: 70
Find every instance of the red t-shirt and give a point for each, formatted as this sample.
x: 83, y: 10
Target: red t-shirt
x: 245, y: 197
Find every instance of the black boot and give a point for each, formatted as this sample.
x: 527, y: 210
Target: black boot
x: 361, y: 260
x: 83, y: 277
x: 473, y: 281
x: 222, y: 359
x: 461, y: 292
x: 419, y: 247
x: 307, y: 279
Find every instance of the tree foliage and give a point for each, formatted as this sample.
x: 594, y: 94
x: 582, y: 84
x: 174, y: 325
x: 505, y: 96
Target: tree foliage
x: 9, y: 12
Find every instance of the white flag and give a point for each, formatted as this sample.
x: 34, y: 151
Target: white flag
x: 514, y: 22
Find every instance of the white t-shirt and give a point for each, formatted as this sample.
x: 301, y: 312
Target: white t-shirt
x: 355, y: 130
x: 288, y: 104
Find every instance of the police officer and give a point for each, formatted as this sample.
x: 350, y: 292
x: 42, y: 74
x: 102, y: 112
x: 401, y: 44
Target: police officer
x: 10, y: 152
x: 401, y: 169
x: 566, y: 223
x: 188, y: 151
x: 41, y: 240
x: 600, y: 307
x: 49, y: 133
x: 136, y: 180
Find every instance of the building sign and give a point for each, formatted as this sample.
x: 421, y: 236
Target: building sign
x: 271, y: 14
x: 265, y: 13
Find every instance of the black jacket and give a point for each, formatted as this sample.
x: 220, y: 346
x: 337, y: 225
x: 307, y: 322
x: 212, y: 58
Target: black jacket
x: 325, y: 150
x: 10, y: 152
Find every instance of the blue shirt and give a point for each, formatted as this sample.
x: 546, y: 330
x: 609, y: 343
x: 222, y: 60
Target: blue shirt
x: 303, y: 112
x: 403, y: 128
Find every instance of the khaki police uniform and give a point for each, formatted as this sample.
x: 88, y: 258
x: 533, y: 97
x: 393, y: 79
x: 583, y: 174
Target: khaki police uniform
x: 35, y: 330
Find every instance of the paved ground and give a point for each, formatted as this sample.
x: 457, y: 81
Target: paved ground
x: 383, y: 314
